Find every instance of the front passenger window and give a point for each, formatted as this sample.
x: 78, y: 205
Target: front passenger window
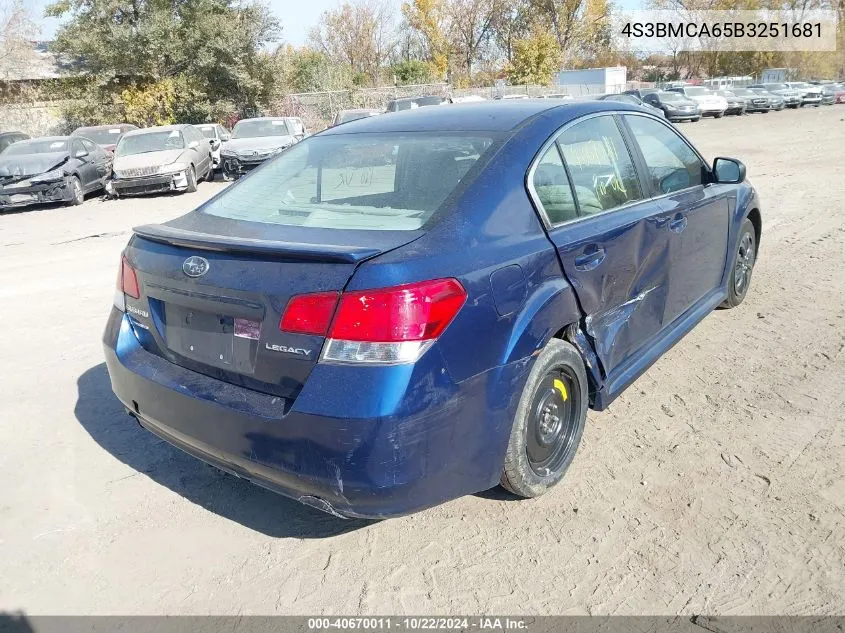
x: 672, y: 164
x: 601, y: 168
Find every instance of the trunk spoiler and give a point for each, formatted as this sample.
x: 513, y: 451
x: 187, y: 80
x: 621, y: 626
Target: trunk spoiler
x: 224, y: 243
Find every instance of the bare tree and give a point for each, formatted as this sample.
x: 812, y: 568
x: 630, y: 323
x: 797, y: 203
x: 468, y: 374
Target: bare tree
x: 17, y: 30
x: 361, y: 34
x: 472, y: 24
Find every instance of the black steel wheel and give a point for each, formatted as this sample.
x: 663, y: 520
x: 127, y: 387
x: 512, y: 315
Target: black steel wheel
x: 549, y: 421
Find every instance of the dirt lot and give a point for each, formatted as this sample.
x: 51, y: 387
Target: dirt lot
x: 716, y: 484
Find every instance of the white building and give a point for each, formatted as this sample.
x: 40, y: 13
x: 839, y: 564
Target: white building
x: 592, y: 81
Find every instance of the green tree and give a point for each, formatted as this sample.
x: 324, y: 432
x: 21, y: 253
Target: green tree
x: 214, y: 50
x: 413, y: 71
x: 535, y: 59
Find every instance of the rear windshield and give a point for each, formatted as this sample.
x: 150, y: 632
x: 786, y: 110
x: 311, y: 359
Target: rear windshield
x: 387, y: 182
x: 208, y: 131
x: 697, y: 92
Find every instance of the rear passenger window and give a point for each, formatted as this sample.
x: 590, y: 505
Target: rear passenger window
x: 672, y: 164
x: 603, y: 174
x: 552, y: 187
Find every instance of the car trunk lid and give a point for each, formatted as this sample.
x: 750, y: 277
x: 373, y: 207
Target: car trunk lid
x: 212, y: 300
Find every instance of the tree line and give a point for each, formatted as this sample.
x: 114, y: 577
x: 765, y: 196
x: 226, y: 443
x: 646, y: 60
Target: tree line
x: 159, y: 61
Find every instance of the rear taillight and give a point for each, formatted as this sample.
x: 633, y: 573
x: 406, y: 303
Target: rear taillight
x: 127, y: 284
x: 384, y: 325
x: 309, y: 314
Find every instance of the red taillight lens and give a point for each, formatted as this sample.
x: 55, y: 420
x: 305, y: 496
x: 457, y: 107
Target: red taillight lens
x: 412, y: 312
x: 128, y: 280
x: 309, y: 314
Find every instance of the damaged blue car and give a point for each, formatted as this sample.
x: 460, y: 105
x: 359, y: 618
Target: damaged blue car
x: 408, y: 308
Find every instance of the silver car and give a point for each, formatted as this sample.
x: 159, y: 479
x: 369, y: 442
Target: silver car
x: 159, y: 159
x: 255, y: 140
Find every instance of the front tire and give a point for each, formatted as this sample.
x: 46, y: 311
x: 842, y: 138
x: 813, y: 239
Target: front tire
x: 191, y: 176
x: 743, y: 265
x: 718, y: 115
x: 549, y: 421
x: 76, y: 192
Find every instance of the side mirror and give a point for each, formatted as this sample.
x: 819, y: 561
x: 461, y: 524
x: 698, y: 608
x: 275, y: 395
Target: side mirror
x: 728, y: 171
x: 224, y: 138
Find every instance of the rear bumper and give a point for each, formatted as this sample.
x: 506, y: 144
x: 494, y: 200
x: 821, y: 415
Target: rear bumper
x: 678, y: 115
x: 37, y: 194
x: 367, y: 442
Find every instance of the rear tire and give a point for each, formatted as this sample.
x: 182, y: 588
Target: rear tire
x: 549, y: 421
x: 718, y: 115
x: 743, y: 265
x: 191, y: 176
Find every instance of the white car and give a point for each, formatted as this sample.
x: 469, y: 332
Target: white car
x: 708, y: 101
x: 216, y: 135
x: 159, y: 159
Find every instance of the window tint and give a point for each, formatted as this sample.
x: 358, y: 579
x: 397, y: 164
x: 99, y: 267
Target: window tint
x: 89, y: 146
x: 672, y: 163
x: 552, y: 187
x: 602, y: 171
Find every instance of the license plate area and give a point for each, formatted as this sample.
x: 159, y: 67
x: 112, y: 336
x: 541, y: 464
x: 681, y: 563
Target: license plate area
x: 201, y: 336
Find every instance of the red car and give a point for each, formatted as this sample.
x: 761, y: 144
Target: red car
x: 839, y: 93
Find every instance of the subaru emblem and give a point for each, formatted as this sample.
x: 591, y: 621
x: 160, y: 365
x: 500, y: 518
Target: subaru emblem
x: 195, y: 266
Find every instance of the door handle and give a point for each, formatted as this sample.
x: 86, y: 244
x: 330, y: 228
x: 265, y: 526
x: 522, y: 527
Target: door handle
x: 678, y: 224
x: 590, y: 260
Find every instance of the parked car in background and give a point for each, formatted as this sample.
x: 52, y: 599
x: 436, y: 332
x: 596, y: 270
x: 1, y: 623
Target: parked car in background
x: 558, y: 95
x: 640, y: 93
x: 160, y: 159
x: 736, y: 104
x: 753, y: 101
x: 839, y: 92
x: 345, y: 116
x: 773, y: 101
x: 411, y: 103
x: 106, y: 136
x: 708, y: 102
x: 791, y: 97
x: 512, y: 97
x: 7, y: 138
x: 675, y: 106
x: 51, y: 169
x: 633, y: 100
x: 468, y: 99
x: 810, y: 94
x: 828, y: 94
x: 216, y: 135
x: 318, y: 332
x: 254, y: 141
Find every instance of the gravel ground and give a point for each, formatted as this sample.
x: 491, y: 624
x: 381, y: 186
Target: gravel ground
x: 715, y: 484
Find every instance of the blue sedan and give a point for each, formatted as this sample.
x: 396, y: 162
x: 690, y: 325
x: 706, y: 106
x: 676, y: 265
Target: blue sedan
x: 408, y: 308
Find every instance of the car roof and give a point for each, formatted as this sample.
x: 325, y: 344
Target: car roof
x: 485, y: 116
x: 267, y: 118
x: 158, y: 128
x: 49, y: 138
x: 106, y: 126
